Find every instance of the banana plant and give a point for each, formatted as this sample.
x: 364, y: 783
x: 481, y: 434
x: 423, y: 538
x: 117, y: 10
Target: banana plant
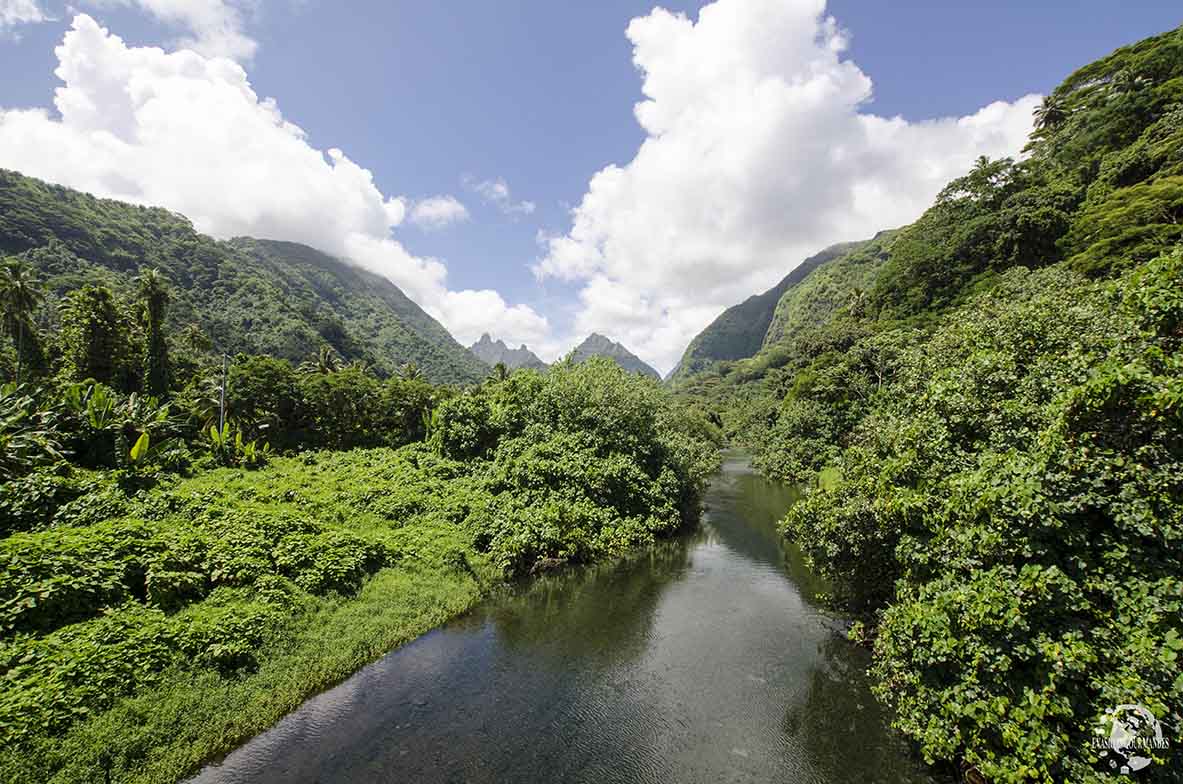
x: 100, y: 407
x: 229, y: 448
x: 219, y: 441
x: 29, y: 435
x: 431, y: 422
x: 139, y: 450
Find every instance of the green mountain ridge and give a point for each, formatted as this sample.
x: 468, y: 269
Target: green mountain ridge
x: 826, y: 287
x: 808, y: 296
x: 596, y: 345
x: 741, y: 330
x: 246, y: 295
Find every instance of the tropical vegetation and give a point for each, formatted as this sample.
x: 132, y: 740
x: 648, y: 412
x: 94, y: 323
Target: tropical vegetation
x: 190, y: 544
x: 987, y: 407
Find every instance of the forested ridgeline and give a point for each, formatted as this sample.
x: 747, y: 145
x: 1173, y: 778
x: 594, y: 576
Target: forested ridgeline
x: 252, y: 296
x: 988, y: 408
x: 190, y: 548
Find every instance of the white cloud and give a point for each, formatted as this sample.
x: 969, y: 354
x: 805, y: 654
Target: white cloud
x: 756, y: 155
x: 14, y: 13
x: 187, y: 132
x: 496, y: 192
x: 438, y: 212
x: 215, y: 26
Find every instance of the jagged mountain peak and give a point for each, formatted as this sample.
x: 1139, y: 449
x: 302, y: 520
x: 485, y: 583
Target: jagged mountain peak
x: 597, y: 345
x: 492, y: 351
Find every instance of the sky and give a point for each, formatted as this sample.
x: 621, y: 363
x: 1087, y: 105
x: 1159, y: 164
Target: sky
x: 541, y: 170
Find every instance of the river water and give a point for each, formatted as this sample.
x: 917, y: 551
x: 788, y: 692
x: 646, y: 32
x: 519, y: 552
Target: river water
x: 702, y: 660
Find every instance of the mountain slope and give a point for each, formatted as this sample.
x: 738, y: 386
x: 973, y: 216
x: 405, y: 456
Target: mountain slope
x: 492, y: 352
x: 246, y: 295
x: 596, y: 345
x: 740, y: 331
x: 842, y: 282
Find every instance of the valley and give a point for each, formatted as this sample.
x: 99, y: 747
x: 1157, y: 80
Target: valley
x: 913, y: 513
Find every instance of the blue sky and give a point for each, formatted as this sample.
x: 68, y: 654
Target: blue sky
x: 434, y: 98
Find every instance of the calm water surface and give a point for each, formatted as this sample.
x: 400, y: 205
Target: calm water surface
x: 701, y: 661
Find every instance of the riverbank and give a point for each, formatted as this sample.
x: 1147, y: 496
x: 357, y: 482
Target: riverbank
x: 700, y: 658
x: 149, y: 630
x: 266, y: 650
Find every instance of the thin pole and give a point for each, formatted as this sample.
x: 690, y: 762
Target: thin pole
x: 20, y: 349
x: 222, y: 401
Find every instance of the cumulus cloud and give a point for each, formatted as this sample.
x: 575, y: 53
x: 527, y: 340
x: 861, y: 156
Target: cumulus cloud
x: 438, y: 212
x: 187, y: 132
x: 496, y: 192
x: 757, y: 153
x: 14, y: 13
x: 215, y: 27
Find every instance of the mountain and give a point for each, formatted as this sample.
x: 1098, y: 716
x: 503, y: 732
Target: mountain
x: 245, y: 295
x: 841, y: 281
x: 492, y: 351
x: 741, y: 330
x: 597, y: 345
x: 1097, y: 191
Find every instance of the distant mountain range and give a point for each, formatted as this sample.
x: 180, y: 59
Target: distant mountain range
x: 596, y: 345
x: 492, y: 351
x: 245, y: 295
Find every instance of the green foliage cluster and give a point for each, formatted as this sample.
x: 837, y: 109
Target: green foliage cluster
x: 125, y: 587
x: 584, y: 462
x: 269, y: 400
x: 1012, y: 507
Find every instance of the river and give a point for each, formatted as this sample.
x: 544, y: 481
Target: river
x: 703, y: 659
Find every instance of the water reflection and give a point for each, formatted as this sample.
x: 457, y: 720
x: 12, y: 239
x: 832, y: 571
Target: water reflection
x: 600, y: 614
x: 700, y: 660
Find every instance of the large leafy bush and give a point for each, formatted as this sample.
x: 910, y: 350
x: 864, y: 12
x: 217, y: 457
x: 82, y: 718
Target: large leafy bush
x: 1014, y: 509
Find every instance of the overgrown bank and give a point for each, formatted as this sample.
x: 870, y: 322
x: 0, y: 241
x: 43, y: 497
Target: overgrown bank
x: 989, y: 411
x: 144, y: 641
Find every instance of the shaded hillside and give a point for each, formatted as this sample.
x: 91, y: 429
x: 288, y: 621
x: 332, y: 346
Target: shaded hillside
x: 250, y: 296
x: 740, y: 331
x: 492, y: 352
x: 596, y: 345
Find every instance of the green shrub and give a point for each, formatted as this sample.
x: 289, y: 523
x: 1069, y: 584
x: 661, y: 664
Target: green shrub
x: 1012, y: 513
x: 463, y: 428
x: 30, y: 502
x: 57, y: 577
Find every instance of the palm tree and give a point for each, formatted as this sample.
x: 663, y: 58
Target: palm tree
x: 20, y: 295
x: 500, y: 372
x: 325, y: 362
x: 363, y: 366
x: 410, y: 371
x: 857, y: 299
x: 152, y: 289
x: 1051, y: 113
